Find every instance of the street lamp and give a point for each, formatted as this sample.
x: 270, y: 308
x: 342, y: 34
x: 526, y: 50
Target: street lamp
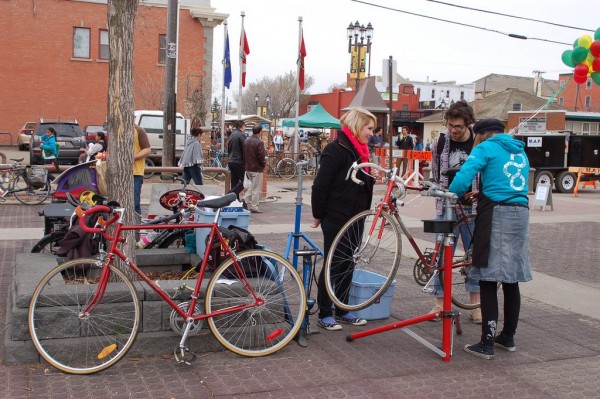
x: 268, y: 103
x: 359, y: 33
x: 256, y: 97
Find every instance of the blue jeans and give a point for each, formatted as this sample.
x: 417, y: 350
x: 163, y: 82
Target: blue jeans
x: 137, y: 193
x: 460, y: 233
x: 192, y: 173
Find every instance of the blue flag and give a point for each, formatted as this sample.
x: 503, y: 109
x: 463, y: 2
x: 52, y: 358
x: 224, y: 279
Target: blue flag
x: 227, y: 63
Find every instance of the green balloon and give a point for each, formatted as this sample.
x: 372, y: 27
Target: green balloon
x: 579, y: 54
x: 596, y: 77
x: 567, y: 58
x: 576, y: 43
x: 596, y: 34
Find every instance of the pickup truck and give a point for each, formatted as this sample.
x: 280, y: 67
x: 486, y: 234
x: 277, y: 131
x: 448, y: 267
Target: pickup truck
x: 152, y: 122
x: 558, y: 157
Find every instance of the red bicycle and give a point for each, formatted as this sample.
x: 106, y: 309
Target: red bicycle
x: 85, y: 314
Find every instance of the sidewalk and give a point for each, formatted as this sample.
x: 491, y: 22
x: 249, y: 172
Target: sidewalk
x: 558, y: 353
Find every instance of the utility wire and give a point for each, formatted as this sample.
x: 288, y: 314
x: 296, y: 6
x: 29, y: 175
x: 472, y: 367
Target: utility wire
x: 513, y: 35
x: 510, y: 16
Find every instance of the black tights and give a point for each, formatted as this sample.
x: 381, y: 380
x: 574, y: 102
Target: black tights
x: 489, y: 308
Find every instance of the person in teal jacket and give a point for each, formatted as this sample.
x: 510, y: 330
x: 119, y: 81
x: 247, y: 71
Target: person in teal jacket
x: 501, y: 236
x: 49, y: 153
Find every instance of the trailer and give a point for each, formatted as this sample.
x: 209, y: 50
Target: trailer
x: 558, y: 158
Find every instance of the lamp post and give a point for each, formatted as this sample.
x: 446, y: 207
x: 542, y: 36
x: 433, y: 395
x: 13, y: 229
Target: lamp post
x: 268, y: 103
x: 359, y: 33
x: 256, y: 97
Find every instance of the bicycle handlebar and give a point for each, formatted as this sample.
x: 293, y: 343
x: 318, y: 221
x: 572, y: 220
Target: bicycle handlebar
x: 95, y: 209
x: 389, y: 173
x: 431, y: 189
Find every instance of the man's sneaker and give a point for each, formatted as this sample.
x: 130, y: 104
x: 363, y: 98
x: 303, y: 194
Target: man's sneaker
x: 505, y: 342
x: 329, y: 323
x: 349, y: 318
x: 480, y: 350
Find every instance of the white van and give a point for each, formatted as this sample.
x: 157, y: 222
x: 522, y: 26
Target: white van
x: 152, y: 122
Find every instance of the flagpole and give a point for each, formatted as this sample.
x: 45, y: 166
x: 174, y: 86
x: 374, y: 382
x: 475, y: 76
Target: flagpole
x: 223, y: 91
x: 296, y: 135
x: 242, y: 42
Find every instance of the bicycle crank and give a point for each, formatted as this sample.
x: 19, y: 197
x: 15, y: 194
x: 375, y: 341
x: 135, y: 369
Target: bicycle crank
x: 184, y: 355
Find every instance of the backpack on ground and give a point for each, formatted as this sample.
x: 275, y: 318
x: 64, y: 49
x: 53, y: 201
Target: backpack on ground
x: 238, y: 239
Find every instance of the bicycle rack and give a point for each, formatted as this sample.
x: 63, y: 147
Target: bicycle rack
x: 448, y: 315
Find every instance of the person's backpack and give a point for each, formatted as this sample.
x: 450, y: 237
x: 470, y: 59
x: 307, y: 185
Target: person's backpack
x: 238, y: 239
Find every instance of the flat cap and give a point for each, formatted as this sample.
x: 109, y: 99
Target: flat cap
x: 488, y: 125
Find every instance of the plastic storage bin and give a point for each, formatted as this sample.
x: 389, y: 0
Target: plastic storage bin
x: 240, y: 217
x: 364, y: 285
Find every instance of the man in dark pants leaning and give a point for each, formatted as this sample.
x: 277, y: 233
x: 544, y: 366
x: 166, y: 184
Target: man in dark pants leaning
x: 235, y: 150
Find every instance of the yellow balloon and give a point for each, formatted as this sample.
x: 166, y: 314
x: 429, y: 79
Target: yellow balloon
x: 585, y: 41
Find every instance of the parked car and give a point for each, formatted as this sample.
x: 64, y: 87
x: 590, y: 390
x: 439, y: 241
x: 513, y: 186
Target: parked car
x: 90, y: 132
x: 25, y: 135
x: 70, y: 139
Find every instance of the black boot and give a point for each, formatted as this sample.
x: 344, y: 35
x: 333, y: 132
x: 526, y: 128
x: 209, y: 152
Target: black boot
x: 482, y: 349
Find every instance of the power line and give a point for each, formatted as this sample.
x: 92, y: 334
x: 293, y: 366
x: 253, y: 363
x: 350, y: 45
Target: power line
x: 513, y: 35
x: 510, y: 16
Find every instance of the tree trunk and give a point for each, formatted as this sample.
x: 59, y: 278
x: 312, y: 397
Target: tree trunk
x: 121, y: 21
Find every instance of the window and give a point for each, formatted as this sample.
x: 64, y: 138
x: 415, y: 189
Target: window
x: 588, y: 101
x: 585, y: 128
x: 588, y: 84
x: 462, y: 95
x: 104, y: 49
x: 81, y: 42
x: 517, y: 107
x: 561, y: 83
x: 419, y: 92
x: 561, y: 101
x: 162, y: 49
x: 433, y: 93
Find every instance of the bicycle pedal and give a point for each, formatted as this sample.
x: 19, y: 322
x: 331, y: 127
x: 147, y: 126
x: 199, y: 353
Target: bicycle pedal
x: 184, y: 355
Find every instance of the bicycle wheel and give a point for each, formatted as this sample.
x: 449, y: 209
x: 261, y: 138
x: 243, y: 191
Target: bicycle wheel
x: 148, y: 162
x: 286, y: 168
x: 262, y: 328
x: 460, y: 275
x: 49, y: 243
x: 359, y: 254
x: 83, y: 343
x: 28, y: 195
x: 175, y: 239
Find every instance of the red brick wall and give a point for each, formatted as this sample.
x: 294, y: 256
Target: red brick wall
x: 571, y: 95
x: 40, y: 79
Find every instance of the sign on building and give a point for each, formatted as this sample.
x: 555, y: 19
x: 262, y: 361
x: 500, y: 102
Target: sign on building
x: 532, y: 125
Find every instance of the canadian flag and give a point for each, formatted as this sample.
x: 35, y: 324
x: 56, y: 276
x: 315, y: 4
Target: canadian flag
x: 244, y: 52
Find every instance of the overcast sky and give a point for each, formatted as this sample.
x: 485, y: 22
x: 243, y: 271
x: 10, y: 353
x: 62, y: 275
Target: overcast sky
x: 424, y: 49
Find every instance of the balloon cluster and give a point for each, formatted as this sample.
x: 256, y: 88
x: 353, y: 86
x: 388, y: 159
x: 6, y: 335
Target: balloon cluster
x: 585, y: 58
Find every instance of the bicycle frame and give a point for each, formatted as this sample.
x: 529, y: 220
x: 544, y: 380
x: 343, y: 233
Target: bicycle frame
x: 115, y: 251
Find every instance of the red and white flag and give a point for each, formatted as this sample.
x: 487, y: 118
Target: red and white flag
x: 301, y: 55
x: 244, y: 51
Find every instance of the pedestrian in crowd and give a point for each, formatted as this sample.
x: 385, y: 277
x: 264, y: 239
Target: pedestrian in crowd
x: 450, y: 150
x: 98, y: 147
x: 254, y: 165
x: 405, y: 143
x: 278, y: 142
x: 428, y: 145
x: 49, y: 150
x: 235, y: 150
x: 375, y: 142
x: 419, y: 147
x: 336, y: 199
x: 141, y: 149
x: 191, y: 158
x: 501, y: 248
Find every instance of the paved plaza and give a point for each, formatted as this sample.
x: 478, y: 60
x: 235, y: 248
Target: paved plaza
x: 558, y: 339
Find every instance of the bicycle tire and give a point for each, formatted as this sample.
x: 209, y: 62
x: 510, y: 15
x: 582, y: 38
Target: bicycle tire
x: 83, y: 344
x: 286, y: 168
x: 175, y: 239
x: 148, y: 162
x: 460, y: 297
x: 28, y: 195
x: 49, y: 243
x: 357, y: 255
x: 263, y: 329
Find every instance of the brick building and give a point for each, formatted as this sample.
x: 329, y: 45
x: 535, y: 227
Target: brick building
x: 55, y: 58
x: 579, y: 97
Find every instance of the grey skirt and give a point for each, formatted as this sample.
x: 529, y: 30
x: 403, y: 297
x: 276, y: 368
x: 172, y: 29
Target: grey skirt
x: 508, y: 260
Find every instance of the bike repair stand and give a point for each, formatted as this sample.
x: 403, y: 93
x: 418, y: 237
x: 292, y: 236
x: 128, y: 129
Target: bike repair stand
x: 308, y: 256
x: 448, y: 315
